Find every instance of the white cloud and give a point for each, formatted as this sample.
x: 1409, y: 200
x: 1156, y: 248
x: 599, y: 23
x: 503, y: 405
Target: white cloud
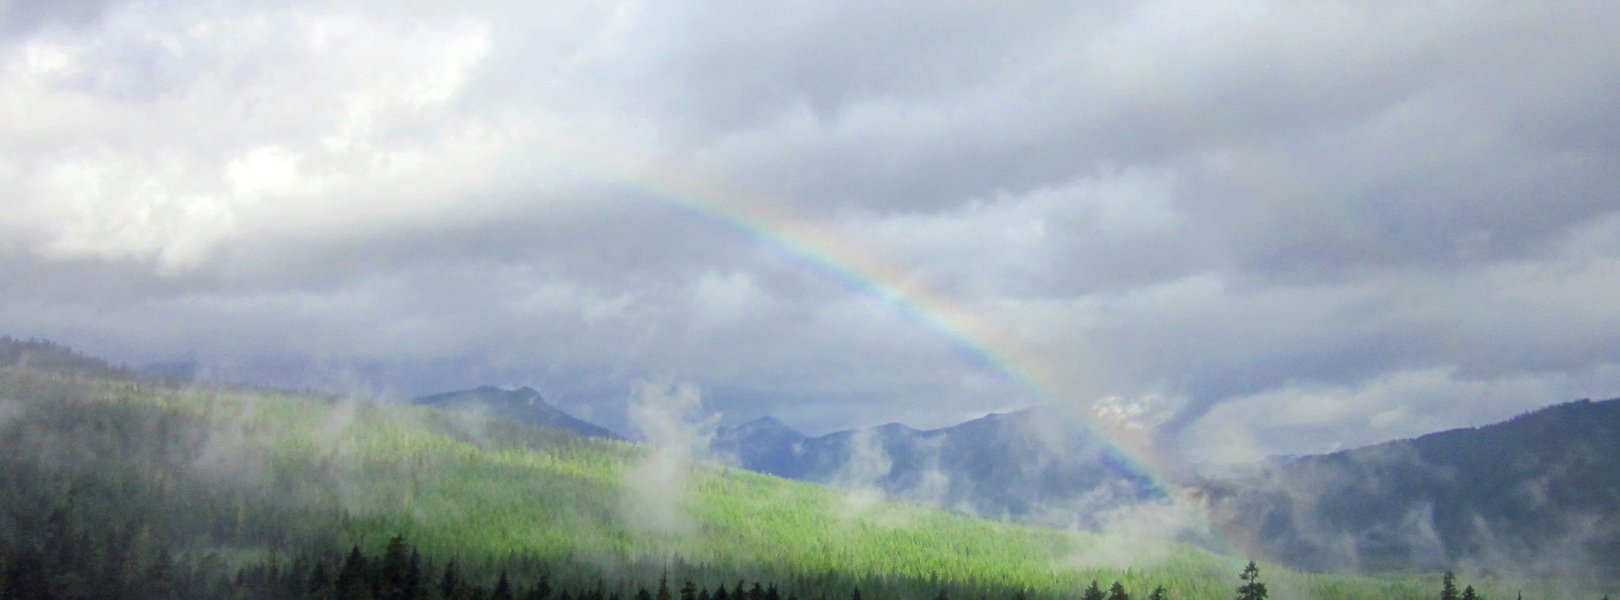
x: 1307, y: 220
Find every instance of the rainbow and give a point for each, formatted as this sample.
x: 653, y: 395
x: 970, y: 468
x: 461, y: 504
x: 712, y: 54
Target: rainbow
x: 971, y: 332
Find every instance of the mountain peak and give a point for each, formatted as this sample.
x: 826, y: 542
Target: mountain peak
x: 529, y: 396
x: 764, y: 425
x: 524, y: 405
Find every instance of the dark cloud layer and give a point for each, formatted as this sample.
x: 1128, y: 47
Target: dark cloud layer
x: 1313, y: 224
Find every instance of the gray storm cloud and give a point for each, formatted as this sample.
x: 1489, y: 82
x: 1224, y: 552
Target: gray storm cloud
x: 1356, y: 217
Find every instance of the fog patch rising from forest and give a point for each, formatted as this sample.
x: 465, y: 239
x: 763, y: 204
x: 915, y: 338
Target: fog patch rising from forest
x: 665, y: 417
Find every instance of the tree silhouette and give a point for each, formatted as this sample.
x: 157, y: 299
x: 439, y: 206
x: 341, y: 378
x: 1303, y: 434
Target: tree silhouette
x: 451, y: 581
x: 1448, y: 586
x: 320, y: 581
x: 415, y: 589
x: 1251, y: 589
x: 1093, y: 592
x: 1159, y: 593
x: 395, y: 570
x: 1117, y: 592
x: 1469, y: 594
x: 351, y: 579
x: 541, y: 590
x: 503, y: 588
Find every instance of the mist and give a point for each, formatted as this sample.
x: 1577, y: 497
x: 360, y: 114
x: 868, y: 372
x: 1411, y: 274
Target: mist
x: 667, y: 423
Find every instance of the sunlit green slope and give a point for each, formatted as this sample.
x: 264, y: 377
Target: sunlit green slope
x: 242, y: 473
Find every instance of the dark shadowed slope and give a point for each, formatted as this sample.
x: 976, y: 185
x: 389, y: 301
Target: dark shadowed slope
x: 523, y: 405
x: 1538, y: 493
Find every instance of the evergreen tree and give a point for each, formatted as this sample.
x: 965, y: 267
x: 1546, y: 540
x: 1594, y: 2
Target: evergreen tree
x: 1117, y: 592
x: 159, y: 580
x: 856, y: 595
x: 542, y: 590
x: 503, y: 588
x: 689, y: 590
x: 320, y: 581
x: 1469, y: 594
x: 351, y: 580
x: 291, y: 583
x: 943, y: 595
x: 1093, y: 592
x: 703, y: 594
x: 1448, y: 586
x: 415, y: 589
x: 395, y: 568
x: 450, y: 582
x: 722, y: 594
x: 112, y: 580
x: 1251, y: 589
x: 663, y: 587
x: 1159, y: 593
x: 643, y: 594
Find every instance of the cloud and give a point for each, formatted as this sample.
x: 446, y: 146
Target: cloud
x: 655, y: 490
x: 1218, y: 207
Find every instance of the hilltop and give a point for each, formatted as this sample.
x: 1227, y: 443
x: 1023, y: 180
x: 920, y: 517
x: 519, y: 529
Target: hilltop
x: 522, y: 405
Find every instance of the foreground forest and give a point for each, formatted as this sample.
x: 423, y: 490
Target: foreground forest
x: 119, y: 485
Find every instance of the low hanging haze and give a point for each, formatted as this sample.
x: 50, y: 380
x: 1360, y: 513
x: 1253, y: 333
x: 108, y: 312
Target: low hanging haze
x: 1247, y: 227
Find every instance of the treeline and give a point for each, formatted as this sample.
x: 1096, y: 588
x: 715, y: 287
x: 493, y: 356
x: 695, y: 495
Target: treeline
x: 51, y: 356
x: 60, y: 561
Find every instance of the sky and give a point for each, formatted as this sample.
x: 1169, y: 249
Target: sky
x: 1246, y: 228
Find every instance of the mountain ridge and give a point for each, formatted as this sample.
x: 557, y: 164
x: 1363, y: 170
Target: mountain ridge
x: 1029, y: 465
x: 523, y: 405
x: 1514, y: 492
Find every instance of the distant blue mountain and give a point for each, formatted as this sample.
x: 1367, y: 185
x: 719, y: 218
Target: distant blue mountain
x: 522, y: 405
x: 1033, y: 465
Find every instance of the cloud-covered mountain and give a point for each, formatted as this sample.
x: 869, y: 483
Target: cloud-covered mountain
x: 1269, y: 224
x: 1539, y: 493
x: 1535, y: 494
x: 1033, y: 465
x: 523, y: 405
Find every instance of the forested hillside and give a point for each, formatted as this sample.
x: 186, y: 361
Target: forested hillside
x: 1535, y: 494
x: 120, y: 486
